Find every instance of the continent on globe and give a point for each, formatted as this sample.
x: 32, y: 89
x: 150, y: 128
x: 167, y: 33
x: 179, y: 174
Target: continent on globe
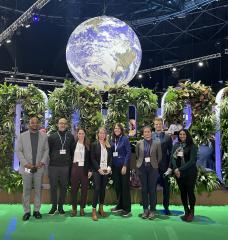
x: 103, y: 52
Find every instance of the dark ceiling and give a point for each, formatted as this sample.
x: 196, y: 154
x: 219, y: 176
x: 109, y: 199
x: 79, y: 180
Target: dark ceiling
x: 169, y: 31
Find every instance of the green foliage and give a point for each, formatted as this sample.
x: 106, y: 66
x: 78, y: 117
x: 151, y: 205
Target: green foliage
x: 118, y: 105
x: 224, y: 133
x: 201, y: 100
x: 10, y: 181
x: 33, y: 104
x: 119, y: 100
x: 8, y: 99
x: 145, y: 102
x: 63, y: 102
x: 205, y: 128
x: 173, y: 109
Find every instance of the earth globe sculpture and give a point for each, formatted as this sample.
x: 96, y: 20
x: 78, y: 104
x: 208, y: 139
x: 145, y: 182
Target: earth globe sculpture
x: 103, y: 52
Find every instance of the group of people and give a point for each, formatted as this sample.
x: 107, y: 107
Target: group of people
x: 73, y: 157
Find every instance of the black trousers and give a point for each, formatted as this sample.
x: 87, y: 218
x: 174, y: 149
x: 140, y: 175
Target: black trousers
x: 164, y: 181
x: 122, y: 187
x: 186, y: 185
x: 148, y: 177
x: 58, y: 176
x: 100, y: 183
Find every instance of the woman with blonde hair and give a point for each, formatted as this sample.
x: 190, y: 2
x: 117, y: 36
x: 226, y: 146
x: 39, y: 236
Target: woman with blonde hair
x: 101, y: 159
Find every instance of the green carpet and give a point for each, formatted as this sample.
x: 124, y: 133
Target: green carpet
x: 210, y: 223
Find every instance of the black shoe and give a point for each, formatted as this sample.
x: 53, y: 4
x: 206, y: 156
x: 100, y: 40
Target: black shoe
x: 53, y: 211
x: 37, y: 215
x: 125, y: 214
x: 145, y: 214
x: 116, y: 210
x: 167, y: 212
x: 26, y: 216
x: 61, y: 211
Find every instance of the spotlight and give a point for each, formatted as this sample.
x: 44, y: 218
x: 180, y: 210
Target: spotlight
x: 41, y: 79
x: 35, y: 18
x: 11, y: 76
x: 200, y: 64
x: 173, y: 69
x: 27, y: 25
x: 8, y: 41
x: 140, y: 76
x: 55, y: 80
x: 27, y: 77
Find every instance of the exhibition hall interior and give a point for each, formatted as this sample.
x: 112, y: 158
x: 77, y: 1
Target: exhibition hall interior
x: 113, y: 119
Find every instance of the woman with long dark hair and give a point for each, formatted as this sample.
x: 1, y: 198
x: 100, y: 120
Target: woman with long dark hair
x: 101, y: 159
x: 81, y: 171
x: 121, y: 151
x: 184, y: 156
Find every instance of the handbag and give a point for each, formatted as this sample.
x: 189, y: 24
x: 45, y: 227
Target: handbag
x: 134, y: 179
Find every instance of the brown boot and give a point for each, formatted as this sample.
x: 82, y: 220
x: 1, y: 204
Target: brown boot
x: 186, y: 213
x: 94, y: 215
x: 190, y: 217
x: 82, y: 212
x: 73, y: 212
x: 101, y: 211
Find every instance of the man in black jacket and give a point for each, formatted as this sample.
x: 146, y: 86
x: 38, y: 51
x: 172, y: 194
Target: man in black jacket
x: 61, y: 152
x: 166, y: 146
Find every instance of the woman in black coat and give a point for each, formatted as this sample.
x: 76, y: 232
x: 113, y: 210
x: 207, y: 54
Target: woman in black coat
x: 80, y: 172
x: 101, y: 159
x: 184, y: 156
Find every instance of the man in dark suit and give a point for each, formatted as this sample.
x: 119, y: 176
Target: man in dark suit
x: 166, y: 146
x: 32, y: 151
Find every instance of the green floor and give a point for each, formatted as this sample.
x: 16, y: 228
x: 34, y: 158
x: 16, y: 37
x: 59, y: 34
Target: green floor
x: 210, y: 223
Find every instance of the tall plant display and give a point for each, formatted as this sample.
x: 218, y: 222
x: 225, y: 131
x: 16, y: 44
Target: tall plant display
x: 224, y: 134
x: 201, y: 100
x: 63, y: 102
x: 33, y: 104
x: 118, y: 106
x: 146, y: 104
x: 89, y: 105
x: 8, y: 99
x: 119, y: 100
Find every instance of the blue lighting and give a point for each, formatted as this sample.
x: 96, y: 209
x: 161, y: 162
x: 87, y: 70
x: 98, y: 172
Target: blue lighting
x: 35, y: 18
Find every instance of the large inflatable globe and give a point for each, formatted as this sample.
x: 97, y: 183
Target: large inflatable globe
x: 103, y: 52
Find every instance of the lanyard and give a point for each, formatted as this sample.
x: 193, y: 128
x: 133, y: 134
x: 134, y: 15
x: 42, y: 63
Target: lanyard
x: 117, y: 143
x: 62, y: 143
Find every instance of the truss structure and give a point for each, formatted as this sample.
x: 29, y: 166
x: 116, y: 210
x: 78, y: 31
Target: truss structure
x: 22, y: 19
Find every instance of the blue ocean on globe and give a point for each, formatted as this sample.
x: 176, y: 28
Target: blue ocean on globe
x: 103, y: 52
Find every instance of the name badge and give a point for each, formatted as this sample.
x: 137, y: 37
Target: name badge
x: 115, y: 154
x: 27, y: 170
x: 62, y: 151
x: 147, y: 159
x: 180, y: 154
